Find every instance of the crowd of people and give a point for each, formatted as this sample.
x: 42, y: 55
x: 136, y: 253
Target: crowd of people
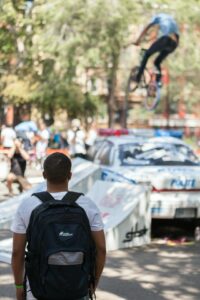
x: 78, y: 271
x: 30, y: 143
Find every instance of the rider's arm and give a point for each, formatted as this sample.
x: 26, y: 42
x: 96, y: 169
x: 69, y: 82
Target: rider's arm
x: 143, y: 33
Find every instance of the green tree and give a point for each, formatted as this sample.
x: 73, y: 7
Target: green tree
x: 83, y: 34
x: 45, y: 53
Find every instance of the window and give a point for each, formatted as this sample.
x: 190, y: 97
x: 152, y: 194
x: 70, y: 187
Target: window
x: 103, y: 156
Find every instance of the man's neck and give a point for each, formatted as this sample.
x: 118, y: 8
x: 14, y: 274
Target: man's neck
x: 57, y: 188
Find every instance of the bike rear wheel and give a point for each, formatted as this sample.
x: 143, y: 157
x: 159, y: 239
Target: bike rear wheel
x: 153, y: 95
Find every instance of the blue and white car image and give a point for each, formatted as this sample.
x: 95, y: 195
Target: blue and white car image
x: 167, y: 163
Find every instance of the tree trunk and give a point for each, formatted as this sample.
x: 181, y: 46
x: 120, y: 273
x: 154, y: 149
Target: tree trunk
x: 111, y: 105
x: 112, y: 83
x: 124, y: 111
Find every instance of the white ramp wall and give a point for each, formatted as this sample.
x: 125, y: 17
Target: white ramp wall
x: 125, y: 211
x: 84, y: 174
x: 124, y: 207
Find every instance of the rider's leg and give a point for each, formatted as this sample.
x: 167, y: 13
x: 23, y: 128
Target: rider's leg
x: 170, y: 47
x: 159, y: 45
x: 158, y: 62
x: 142, y: 66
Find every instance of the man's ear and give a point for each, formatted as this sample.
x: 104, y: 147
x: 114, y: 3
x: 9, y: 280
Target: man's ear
x: 70, y: 176
x: 44, y: 175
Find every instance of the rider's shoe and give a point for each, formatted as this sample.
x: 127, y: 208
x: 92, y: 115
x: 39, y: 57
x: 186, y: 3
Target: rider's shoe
x: 158, y: 78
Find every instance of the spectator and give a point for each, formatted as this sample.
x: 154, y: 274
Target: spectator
x: 76, y: 139
x: 58, y: 140
x: 91, y: 135
x: 63, y: 141
x: 8, y: 135
x: 57, y: 172
x: 26, y: 130
x: 43, y: 137
x: 18, y: 158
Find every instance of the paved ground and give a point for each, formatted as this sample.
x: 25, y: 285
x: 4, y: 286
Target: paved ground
x: 155, y: 272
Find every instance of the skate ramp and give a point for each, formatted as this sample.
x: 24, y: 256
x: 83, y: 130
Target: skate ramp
x: 84, y: 174
x: 125, y: 212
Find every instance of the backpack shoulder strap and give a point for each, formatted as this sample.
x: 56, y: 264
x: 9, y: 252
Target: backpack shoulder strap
x: 71, y: 197
x: 43, y: 196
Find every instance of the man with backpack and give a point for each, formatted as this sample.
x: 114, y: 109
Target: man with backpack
x: 58, y: 240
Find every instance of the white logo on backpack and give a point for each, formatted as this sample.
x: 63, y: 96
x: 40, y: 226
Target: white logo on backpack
x: 65, y: 234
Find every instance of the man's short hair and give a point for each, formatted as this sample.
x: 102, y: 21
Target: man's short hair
x: 57, y: 167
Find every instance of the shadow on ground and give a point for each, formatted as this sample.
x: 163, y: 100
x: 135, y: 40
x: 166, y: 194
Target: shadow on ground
x: 156, y: 272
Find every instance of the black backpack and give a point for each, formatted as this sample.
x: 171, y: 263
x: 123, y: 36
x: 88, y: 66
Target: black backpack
x: 60, y: 257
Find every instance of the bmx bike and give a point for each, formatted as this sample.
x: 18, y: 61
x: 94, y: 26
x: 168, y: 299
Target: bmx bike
x: 151, y: 89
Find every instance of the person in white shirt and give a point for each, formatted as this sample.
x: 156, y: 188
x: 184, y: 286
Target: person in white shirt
x: 43, y: 137
x: 91, y: 135
x: 57, y: 172
x: 76, y: 139
x: 8, y: 135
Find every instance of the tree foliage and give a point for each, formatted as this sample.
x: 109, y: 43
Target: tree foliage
x: 45, y: 53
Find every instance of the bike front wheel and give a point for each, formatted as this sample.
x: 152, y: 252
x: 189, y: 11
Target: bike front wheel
x: 153, y: 95
x: 132, y: 83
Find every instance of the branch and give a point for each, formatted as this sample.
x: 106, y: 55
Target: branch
x: 16, y: 8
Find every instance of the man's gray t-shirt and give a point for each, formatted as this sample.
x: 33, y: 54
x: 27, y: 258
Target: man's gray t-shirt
x: 167, y: 24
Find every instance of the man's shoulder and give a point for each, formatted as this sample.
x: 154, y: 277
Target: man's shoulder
x: 87, y: 203
x: 84, y: 199
x: 28, y: 204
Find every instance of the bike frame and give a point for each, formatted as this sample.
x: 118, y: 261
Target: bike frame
x: 146, y: 83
